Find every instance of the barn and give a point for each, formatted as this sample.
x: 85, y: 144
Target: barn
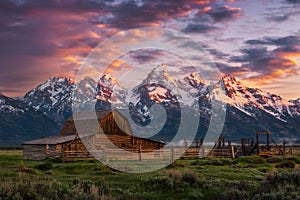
x: 69, y: 146
x: 50, y: 147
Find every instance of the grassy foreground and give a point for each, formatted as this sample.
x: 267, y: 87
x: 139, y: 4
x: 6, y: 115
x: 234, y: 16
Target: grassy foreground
x: 242, y: 178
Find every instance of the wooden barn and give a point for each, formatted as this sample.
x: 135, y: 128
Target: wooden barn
x: 50, y: 147
x: 69, y: 146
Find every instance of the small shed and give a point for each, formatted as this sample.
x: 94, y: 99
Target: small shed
x: 68, y: 145
x: 47, y: 147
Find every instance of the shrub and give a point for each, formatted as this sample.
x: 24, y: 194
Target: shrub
x: 75, y: 169
x: 44, y: 166
x: 252, y: 159
x: 199, y: 162
x: 175, y: 164
x: 102, y: 187
x: 54, y: 190
x: 234, y: 194
x: 190, y: 177
x: 287, y: 164
x: 174, y: 180
x: 275, y: 159
x: 264, y: 169
x: 195, y: 195
x: 55, y: 160
x: 275, y: 179
x: 296, y: 159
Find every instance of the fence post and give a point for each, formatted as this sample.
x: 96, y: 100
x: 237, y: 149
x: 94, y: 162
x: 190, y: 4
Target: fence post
x: 172, y: 153
x: 140, y: 153
x: 232, y: 152
x: 202, y: 150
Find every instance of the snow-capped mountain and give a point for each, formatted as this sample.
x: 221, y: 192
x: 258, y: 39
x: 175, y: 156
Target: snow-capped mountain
x: 261, y: 110
x: 295, y: 102
x: 108, y: 91
x: 157, y: 88
x: 57, y: 96
x: 20, y: 122
x: 160, y: 87
x: 249, y: 109
x: 84, y: 91
x: 247, y: 99
x: 54, y: 97
x: 10, y: 105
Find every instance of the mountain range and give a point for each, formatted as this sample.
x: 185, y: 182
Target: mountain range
x: 43, y: 110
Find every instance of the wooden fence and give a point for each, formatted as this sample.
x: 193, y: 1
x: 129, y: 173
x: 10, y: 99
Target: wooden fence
x: 146, y: 154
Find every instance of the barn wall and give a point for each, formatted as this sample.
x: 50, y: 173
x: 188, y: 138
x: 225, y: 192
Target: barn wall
x: 127, y: 142
x: 75, y: 151
x: 55, y: 150
x: 34, y: 152
x: 123, y: 139
x: 75, y: 145
x: 109, y: 126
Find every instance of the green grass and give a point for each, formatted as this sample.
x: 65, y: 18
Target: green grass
x: 241, y: 178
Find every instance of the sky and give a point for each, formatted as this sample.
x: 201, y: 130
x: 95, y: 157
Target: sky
x: 256, y: 41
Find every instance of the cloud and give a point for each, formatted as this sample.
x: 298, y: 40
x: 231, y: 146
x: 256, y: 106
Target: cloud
x: 293, y: 1
x: 133, y: 14
x: 279, y: 18
x: 217, y: 54
x: 283, y: 12
x: 203, y: 20
x: 277, y: 41
x: 269, y: 65
x: 266, y: 65
x: 226, y: 69
x: 144, y: 56
x: 251, y: 54
x: 198, y: 28
x: 40, y: 39
x: 224, y: 13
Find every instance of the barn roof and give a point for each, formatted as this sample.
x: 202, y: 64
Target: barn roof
x: 69, y: 132
x: 53, y: 140
x: 69, y: 127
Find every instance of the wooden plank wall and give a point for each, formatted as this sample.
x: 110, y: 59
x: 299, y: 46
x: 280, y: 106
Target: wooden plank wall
x: 109, y: 126
x: 34, y: 152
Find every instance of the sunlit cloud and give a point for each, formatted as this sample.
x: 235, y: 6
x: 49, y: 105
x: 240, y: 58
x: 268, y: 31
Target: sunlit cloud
x: 52, y: 38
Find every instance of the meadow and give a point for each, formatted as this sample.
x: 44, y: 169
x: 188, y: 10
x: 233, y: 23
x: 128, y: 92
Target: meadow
x: 250, y: 177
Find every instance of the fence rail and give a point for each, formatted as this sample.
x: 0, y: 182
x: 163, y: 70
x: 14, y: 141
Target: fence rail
x: 146, y: 154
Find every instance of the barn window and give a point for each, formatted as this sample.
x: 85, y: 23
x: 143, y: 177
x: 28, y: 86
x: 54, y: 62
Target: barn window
x: 123, y: 145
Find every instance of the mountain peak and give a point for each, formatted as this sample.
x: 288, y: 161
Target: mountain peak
x: 160, y: 69
x: 195, y: 80
x: 159, y: 75
x: 60, y: 79
x: 229, y: 78
x: 108, y: 80
x: 296, y: 102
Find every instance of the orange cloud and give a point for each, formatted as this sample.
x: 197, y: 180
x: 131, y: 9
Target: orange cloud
x: 277, y: 74
x: 117, y: 66
x: 292, y: 56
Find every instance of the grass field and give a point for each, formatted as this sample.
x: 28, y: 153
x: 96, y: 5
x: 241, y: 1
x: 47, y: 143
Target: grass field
x: 242, y: 178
